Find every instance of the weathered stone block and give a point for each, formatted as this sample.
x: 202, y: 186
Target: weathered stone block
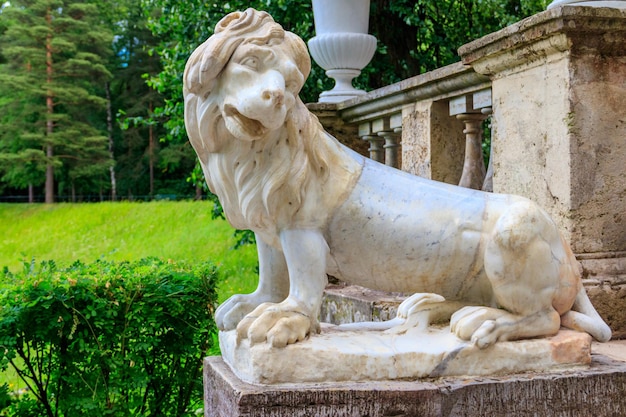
x: 342, y: 355
x: 592, y: 392
x: 558, y: 133
x: 352, y: 304
x: 558, y: 117
x: 433, y: 141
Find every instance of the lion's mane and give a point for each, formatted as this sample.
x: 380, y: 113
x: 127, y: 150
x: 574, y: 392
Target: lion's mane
x: 262, y: 183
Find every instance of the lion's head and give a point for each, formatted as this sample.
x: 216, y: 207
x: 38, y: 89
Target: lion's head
x: 260, y: 147
x: 252, y: 71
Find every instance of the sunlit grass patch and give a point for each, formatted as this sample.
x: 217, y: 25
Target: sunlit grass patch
x: 181, y: 231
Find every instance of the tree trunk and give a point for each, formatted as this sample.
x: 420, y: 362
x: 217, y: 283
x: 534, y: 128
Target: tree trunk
x: 111, y: 144
x: 49, y: 123
x: 31, y: 193
x: 151, y: 153
x: 49, y: 175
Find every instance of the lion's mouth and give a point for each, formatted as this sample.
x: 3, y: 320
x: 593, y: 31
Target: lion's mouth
x: 240, y: 123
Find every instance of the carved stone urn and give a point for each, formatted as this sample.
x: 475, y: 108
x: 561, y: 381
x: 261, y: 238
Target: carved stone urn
x: 342, y: 45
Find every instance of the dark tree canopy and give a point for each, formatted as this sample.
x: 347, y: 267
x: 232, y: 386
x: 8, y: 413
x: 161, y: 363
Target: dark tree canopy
x: 108, y: 119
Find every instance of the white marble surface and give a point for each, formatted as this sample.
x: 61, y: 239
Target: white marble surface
x: 495, y: 266
x: 336, y: 356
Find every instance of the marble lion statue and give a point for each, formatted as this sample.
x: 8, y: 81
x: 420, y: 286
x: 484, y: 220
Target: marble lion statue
x: 495, y: 265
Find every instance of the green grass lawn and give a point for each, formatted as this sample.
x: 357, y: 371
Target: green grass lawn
x: 181, y: 231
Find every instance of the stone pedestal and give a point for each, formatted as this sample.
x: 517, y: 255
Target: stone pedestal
x: 595, y: 391
x: 368, y: 355
x: 559, y: 132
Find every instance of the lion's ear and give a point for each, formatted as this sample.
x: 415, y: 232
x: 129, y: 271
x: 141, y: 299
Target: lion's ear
x: 227, y: 20
x: 300, y: 53
x: 200, y: 72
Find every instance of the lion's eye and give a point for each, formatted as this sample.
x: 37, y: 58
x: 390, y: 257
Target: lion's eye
x: 250, y: 62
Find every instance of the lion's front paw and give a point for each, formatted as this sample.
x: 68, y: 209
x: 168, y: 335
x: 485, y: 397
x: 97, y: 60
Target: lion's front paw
x: 477, y: 324
x: 279, y: 324
x: 232, y: 311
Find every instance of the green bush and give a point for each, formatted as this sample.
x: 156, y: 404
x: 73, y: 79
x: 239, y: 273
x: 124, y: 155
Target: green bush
x: 108, y: 339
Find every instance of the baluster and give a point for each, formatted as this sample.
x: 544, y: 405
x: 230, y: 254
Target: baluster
x: 488, y: 183
x: 481, y: 100
x: 391, y: 147
x: 474, y: 172
x: 376, y: 143
x: 473, y: 166
x: 382, y: 127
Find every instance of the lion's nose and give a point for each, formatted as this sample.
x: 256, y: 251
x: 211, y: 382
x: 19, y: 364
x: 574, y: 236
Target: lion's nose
x: 276, y: 97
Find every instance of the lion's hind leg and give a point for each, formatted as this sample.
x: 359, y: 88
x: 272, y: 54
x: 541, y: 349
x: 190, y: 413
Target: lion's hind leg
x: 522, y: 262
x: 484, y: 326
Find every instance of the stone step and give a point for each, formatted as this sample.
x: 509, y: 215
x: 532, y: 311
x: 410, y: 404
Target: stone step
x: 352, y: 304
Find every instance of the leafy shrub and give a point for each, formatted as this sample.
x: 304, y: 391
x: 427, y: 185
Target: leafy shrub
x: 108, y: 339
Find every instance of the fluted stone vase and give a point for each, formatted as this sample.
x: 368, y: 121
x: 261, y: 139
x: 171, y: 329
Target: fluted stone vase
x: 342, y: 45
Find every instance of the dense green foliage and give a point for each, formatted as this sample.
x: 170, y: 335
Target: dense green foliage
x: 416, y: 36
x: 107, y: 339
x: 128, y: 139
x: 145, y: 165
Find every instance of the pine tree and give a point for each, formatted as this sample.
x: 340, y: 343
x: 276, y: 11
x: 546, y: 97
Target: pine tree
x: 54, y: 71
x: 137, y: 150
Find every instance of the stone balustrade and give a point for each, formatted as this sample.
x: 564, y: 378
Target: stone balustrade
x: 384, y: 136
x: 415, y: 124
x: 554, y: 86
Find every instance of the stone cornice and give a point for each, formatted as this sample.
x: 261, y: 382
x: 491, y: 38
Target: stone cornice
x: 566, y: 28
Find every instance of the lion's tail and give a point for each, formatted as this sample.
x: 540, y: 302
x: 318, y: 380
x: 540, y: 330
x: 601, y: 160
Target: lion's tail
x: 584, y: 317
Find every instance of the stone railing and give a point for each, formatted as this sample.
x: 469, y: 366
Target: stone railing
x: 429, y: 125
x: 555, y: 86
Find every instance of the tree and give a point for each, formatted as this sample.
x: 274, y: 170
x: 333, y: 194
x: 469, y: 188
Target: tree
x: 416, y: 36
x: 41, y: 113
x: 22, y: 162
x: 144, y: 164
x: 54, y: 74
x: 133, y: 100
